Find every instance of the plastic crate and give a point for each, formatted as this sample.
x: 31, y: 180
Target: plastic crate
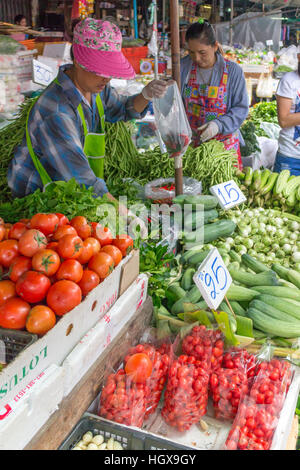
x: 130, y: 439
x: 12, y: 342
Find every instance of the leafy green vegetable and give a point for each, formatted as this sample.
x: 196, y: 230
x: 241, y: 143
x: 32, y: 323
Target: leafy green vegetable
x: 251, y: 146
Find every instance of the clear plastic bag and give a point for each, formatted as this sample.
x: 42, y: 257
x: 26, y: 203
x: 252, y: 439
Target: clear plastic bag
x: 163, y: 189
x: 265, y: 86
x: 172, y: 122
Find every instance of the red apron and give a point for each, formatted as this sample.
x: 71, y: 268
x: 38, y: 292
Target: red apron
x: 205, y: 103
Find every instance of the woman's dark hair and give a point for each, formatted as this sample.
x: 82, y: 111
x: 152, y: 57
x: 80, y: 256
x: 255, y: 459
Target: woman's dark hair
x: 19, y: 18
x: 204, y: 32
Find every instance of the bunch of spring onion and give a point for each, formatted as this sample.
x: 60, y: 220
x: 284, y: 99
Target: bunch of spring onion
x: 268, y: 235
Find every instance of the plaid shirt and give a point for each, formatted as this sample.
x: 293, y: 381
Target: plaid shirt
x: 57, y: 136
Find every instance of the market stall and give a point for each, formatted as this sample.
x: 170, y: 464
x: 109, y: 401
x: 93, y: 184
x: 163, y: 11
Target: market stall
x: 182, y: 338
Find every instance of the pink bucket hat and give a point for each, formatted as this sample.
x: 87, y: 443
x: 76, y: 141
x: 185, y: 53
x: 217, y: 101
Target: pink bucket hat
x: 97, y: 48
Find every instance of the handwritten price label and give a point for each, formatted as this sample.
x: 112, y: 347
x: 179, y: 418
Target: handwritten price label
x: 41, y: 73
x: 269, y: 42
x: 228, y: 194
x: 213, y: 279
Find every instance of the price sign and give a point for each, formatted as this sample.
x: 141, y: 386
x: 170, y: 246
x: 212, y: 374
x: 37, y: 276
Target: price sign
x: 228, y: 194
x: 41, y: 73
x: 213, y: 279
x: 269, y: 42
x: 280, y: 44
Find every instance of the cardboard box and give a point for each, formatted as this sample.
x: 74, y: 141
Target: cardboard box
x: 93, y: 343
x: 30, y: 408
x: 54, y: 347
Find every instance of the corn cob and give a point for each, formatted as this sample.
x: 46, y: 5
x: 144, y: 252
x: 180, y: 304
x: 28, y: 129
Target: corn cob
x: 281, y: 182
x: 290, y: 186
x: 270, y: 183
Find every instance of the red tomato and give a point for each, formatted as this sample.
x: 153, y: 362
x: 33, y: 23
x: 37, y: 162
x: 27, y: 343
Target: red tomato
x: 19, y: 266
x: 114, y: 252
x: 87, y: 251
x: 102, y: 264
x: 32, y: 286
x: 17, y: 230
x: 40, y: 320
x: 45, y: 223
x: 70, y: 246
x: 8, y: 251
x: 62, y: 219
x: 46, y: 261
x: 7, y: 290
x: 64, y: 230
x: 139, y: 367
x: 103, y: 234
x: 70, y: 269
x: 63, y: 296
x: 124, y: 243
x: 2, y: 232
x: 81, y: 226
x: 13, y: 313
x: 89, y: 281
x: 52, y: 246
x: 26, y: 222
x: 95, y: 244
x: 31, y: 242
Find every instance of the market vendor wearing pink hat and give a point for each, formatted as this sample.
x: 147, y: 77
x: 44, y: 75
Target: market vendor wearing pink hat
x: 65, y: 128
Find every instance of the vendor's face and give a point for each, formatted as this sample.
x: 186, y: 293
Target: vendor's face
x: 23, y: 22
x: 89, y: 81
x: 201, y: 53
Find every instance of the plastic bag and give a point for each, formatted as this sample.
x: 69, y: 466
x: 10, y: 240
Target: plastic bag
x: 186, y: 395
x: 163, y: 189
x: 265, y: 86
x: 259, y: 411
x: 172, y: 122
x: 9, y: 45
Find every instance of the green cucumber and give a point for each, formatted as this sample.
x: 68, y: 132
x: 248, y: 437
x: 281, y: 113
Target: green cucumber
x: 285, y: 305
x: 279, y: 291
x: 197, y: 258
x: 266, y: 278
x: 253, y: 264
x: 272, y: 326
x: 271, y: 311
x: 209, y: 202
x: 199, y: 218
x: 187, y: 279
x: 174, y: 292
x: 237, y: 308
x: 183, y: 305
x: 221, y: 229
x: 193, y: 295
x: 240, y: 293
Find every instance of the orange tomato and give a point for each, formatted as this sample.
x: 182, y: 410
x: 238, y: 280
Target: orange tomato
x: 63, y: 296
x: 13, y: 313
x: 124, y: 243
x: 81, y: 226
x: 102, y: 264
x: 87, y: 251
x: 31, y: 242
x: 70, y: 246
x: 8, y: 251
x: 46, y: 223
x: 95, y: 244
x: 19, y: 266
x: 46, y: 261
x: 62, y: 231
x: 103, y: 234
x: 114, y: 252
x: 7, y: 291
x: 139, y: 367
x: 70, y: 269
x: 40, y: 320
x: 17, y: 230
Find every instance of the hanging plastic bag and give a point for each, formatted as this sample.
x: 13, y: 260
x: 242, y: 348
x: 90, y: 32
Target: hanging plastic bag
x: 265, y: 88
x: 162, y: 190
x: 172, y: 122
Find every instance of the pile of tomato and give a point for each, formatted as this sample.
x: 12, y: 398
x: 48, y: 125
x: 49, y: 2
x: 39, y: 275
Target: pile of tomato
x: 205, y: 345
x: 259, y: 411
x: 132, y: 394
x: 48, y: 264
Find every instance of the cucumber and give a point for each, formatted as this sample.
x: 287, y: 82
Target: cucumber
x: 285, y: 305
x: 271, y: 311
x: 240, y: 293
x: 235, y: 256
x: 183, y: 305
x: 199, y: 218
x: 294, y: 277
x: 272, y: 326
x: 237, y: 308
x: 179, y: 199
x: 221, y: 229
x: 209, y: 202
x: 193, y: 295
x: 279, y: 291
x: 187, y: 279
x: 281, y: 271
x: 174, y: 292
x: 197, y: 258
x: 253, y: 264
x: 189, y: 253
x: 267, y: 278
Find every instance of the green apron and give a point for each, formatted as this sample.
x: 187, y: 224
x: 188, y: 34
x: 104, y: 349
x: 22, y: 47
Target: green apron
x: 94, y: 144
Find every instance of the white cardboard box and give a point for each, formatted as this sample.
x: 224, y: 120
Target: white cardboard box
x: 54, y: 347
x: 30, y: 408
x: 93, y: 343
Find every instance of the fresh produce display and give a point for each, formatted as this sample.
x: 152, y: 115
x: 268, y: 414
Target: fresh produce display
x: 263, y: 112
x: 47, y: 268
x: 92, y: 441
x: 259, y: 411
x: 267, y: 189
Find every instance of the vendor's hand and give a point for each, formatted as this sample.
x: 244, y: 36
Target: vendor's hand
x: 136, y: 227
x: 208, y: 131
x: 156, y: 89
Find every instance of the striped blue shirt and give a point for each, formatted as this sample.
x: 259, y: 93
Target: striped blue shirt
x: 57, y: 136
